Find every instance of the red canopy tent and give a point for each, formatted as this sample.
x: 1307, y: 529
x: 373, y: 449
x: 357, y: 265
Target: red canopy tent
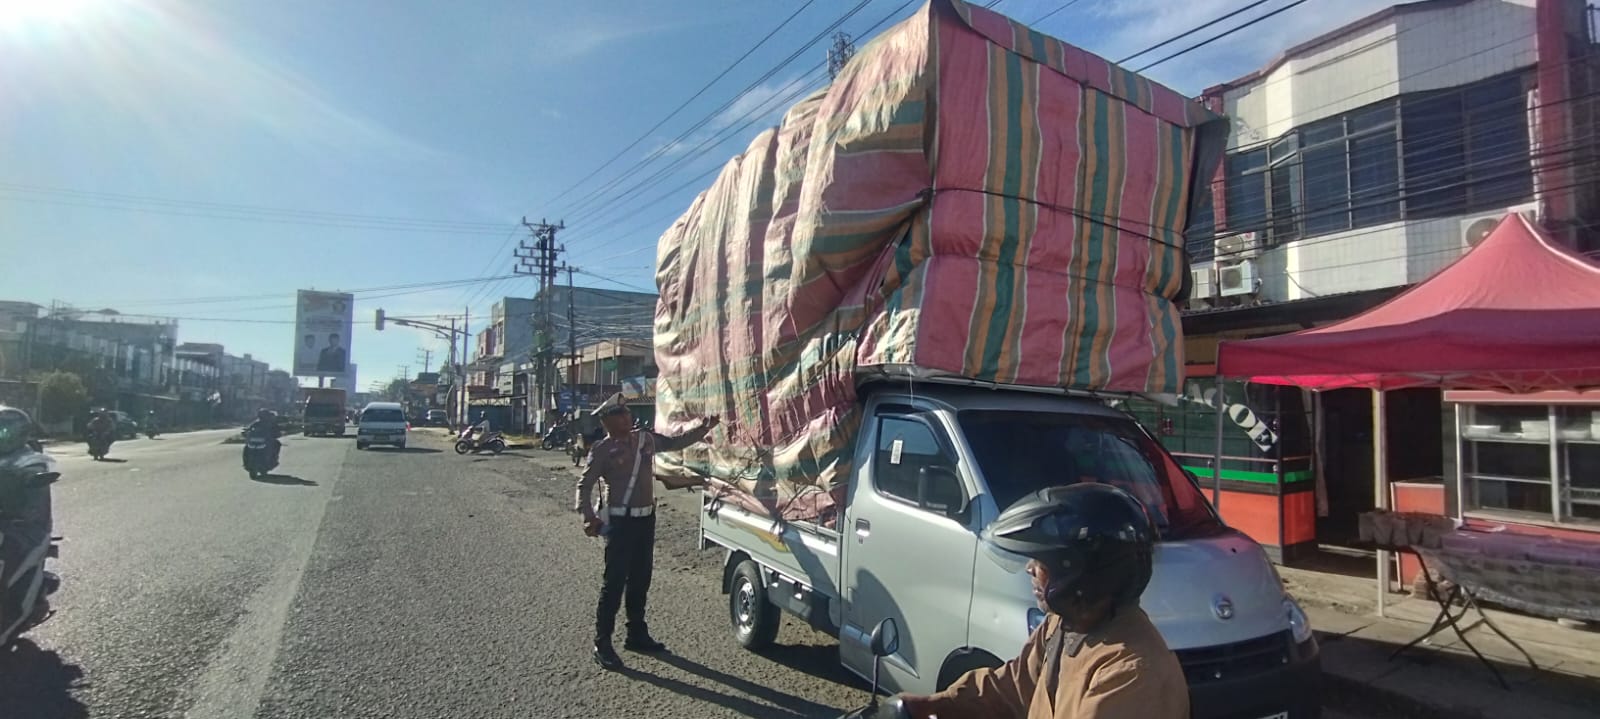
x: 1515, y: 314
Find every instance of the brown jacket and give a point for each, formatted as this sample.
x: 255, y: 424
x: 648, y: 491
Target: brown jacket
x: 611, y: 459
x: 1122, y: 670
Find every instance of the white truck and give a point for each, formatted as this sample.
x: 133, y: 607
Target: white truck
x: 934, y: 465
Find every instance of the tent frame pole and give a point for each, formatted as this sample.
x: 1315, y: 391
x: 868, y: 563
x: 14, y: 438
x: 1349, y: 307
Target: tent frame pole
x: 1221, y: 400
x: 1380, y: 484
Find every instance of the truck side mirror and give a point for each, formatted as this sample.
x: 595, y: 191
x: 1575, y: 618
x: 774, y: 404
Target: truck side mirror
x: 885, y: 638
x: 939, y: 490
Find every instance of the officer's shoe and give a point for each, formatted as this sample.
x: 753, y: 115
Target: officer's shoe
x: 607, y: 657
x: 644, y: 644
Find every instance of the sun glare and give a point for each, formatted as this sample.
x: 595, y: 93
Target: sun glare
x: 30, y: 14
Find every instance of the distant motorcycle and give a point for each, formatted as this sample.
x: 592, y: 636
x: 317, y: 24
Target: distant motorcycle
x: 26, y: 542
x: 557, y: 437
x: 492, y: 441
x: 260, y: 455
x: 100, y: 445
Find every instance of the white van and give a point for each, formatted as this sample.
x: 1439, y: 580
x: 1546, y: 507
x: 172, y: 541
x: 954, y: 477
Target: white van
x: 382, y: 423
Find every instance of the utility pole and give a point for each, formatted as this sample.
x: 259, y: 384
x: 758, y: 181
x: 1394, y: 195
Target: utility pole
x: 844, y: 48
x: 572, y: 344
x: 427, y: 359
x: 539, y: 260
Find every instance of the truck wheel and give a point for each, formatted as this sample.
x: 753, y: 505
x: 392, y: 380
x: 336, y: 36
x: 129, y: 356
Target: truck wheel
x: 755, y: 618
x: 961, y: 663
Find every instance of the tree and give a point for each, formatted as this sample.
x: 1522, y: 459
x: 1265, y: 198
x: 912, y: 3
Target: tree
x: 61, y: 396
x: 398, y: 390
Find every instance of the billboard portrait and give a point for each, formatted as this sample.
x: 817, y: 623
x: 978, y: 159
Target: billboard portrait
x: 322, y: 333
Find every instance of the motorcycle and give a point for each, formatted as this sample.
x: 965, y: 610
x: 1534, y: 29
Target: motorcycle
x: 150, y: 431
x: 259, y: 455
x: 100, y: 445
x: 885, y: 641
x: 492, y: 441
x: 557, y: 437
x: 26, y: 542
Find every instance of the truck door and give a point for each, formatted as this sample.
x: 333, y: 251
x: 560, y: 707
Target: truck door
x: 909, y: 549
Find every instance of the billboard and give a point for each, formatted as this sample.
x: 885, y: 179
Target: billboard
x: 322, y: 333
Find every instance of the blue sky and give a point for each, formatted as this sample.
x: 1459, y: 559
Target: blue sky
x: 159, y: 154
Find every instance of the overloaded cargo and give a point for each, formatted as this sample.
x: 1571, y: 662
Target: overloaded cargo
x: 968, y: 199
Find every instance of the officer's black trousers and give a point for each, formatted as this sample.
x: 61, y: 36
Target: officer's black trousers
x: 630, y: 555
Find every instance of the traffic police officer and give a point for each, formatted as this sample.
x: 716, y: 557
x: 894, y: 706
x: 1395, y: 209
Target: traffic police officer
x: 623, y: 459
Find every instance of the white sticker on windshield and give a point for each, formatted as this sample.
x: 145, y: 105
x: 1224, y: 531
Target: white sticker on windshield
x: 894, y: 450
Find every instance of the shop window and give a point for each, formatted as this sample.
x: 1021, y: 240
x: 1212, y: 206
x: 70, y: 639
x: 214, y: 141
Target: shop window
x: 1534, y: 460
x: 1466, y: 148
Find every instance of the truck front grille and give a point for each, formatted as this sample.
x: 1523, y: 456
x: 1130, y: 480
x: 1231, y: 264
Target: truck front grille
x: 1235, y: 661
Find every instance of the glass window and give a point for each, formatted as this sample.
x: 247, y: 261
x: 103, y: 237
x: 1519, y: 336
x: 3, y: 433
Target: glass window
x: 1432, y: 129
x: 1374, y: 179
x: 1022, y: 452
x: 1327, y: 189
x: 1198, y: 238
x: 1371, y: 117
x: 905, y: 447
x: 1285, y: 201
x: 1247, y: 191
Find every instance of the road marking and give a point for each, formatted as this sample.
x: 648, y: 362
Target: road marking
x: 236, y: 678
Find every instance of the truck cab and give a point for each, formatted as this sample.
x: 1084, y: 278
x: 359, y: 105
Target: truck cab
x: 934, y: 466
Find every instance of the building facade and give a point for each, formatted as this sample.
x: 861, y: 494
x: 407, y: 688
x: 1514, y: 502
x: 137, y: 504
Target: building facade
x: 1359, y: 163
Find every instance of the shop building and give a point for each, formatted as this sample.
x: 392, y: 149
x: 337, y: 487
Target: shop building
x: 1360, y: 163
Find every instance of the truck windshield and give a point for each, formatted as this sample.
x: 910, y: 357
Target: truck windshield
x: 382, y: 415
x: 1020, y: 452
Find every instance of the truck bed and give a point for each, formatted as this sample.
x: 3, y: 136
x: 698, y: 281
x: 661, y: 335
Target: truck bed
x: 804, y: 554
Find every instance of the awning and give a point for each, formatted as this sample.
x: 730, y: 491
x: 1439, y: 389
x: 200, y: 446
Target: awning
x: 1515, y: 314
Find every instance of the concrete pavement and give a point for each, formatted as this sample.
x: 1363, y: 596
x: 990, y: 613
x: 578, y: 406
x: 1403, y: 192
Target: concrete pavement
x: 377, y: 584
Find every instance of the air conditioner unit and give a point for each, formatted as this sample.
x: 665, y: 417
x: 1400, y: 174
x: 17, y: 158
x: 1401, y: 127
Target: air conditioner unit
x: 1204, y: 287
x: 1476, y: 227
x: 1236, y: 278
x: 1238, y: 247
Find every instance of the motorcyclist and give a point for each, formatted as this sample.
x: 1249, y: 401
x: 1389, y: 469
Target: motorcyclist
x: 102, y: 429
x: 150, y: 424
x: 1096, y: 654
x: 266, y: 426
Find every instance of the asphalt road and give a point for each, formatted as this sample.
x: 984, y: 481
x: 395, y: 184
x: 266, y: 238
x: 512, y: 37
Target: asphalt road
x: 374, y: 584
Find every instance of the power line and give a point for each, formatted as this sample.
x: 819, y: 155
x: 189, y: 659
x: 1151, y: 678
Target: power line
x: 1223, y: 34
x: 726, y: 133
x: 1185, y: 33
x: 589, y: 198
x: 679, y: 108
x: 1059, y: 8
x: 244, y: 209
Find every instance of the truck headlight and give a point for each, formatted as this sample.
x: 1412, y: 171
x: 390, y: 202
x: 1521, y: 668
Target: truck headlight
x: 1035, y: 618
x: 1299, y: 625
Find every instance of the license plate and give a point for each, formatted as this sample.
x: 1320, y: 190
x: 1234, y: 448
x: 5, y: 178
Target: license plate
x: 380, y: 438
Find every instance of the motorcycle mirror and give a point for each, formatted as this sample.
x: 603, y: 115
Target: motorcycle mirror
x: 44, y: 479
x: 885, y: 638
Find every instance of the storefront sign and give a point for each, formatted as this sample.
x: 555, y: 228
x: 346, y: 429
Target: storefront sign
x: 1259, y: 431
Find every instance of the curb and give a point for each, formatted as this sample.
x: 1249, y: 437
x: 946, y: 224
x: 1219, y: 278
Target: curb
x: 1350, y: 694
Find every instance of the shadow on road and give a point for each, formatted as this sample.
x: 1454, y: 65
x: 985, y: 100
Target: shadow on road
x: 406, y: 450
x: 39, y: 683
x: 774, y: 697
x: 818, y: 660
x: 114, y: 460
x: 285, y: 479
x: 732, y: 702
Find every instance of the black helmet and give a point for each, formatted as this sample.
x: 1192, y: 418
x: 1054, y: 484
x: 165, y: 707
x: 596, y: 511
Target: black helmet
x: 16, y: 428
x: 1096, y: 541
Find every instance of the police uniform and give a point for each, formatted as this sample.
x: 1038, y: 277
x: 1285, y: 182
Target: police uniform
x: 630, y: 525
x: 1119, y: 670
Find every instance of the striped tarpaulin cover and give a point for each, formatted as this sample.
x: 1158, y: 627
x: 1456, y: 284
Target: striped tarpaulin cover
x: 968, y: 197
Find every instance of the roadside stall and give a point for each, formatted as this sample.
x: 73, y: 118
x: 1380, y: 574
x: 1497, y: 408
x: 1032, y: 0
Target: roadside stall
x: 1511, y: 333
